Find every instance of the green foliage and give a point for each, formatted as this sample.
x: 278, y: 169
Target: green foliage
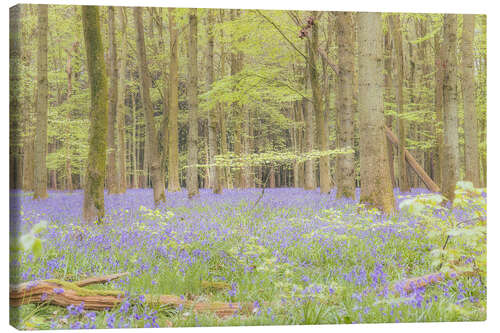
x: 462, y: 230
x: 30, y: 242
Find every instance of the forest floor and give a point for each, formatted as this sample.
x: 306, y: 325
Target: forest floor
x: 299, y: 257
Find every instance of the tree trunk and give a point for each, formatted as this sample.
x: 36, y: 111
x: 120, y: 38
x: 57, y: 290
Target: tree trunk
x: 438, y: 104
x: 173, y: 127
x: 120, y: 106
x: 388, y: 98
x: 376, y: 186
x: 69, y: 173
x: 309, y: 179
x: 16, y: 166
x: 151, y: 137
x: 40, y: 185
x: 399, y: 64
x: 216, y: 181
x: 469, y: 88
x: 93, y: 201
x: 112, y: 172
x: 450, y: 108
x: 192, y: 91
x: 321, y: 129
x: 135, y: 151
x: 344, y: 99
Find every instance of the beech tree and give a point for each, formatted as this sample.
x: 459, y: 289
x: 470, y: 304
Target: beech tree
x: 376, y: 187
x: 469, y: 100
x: 450, y: 109
x: 40, y: 184
x: 345, y: 111
x: 192, y: 169
x: 151, y: 138
x: 93, y: 199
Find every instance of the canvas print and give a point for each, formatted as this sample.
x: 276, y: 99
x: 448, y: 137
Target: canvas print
x: 224, y: 167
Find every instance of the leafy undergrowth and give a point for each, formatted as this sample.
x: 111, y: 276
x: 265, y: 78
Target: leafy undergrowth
x: 300, y: 257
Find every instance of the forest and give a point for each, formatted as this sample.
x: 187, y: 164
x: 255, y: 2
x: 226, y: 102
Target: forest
x: 201, y: 167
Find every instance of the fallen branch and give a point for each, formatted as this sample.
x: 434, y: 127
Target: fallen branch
x: 429, y: 183
x: 411, y: 284
x: 62, y: 293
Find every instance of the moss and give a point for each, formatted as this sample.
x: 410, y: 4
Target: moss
x: 85, y: 292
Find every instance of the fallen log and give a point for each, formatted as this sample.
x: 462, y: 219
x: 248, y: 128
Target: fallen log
x: 413, y: 163
x: 412, y: 284
x: 99, y: 279
x: 63, y: 293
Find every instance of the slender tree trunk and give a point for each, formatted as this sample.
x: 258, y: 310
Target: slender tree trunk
x: 438, y: 104
x: 309, y: 179
x: 16, y: 165
x: 450, y: 108
x: 173, y: 127
x: 93, y: 201
x: 470, y: 116
x: 134, y: 143
x: 346, y: 186
x: 151, y: 137
x: 120, y: 107
x: 192, y: 170
x: 69, y: 173
x: 215, y: 176
x: 41, y: 107
x: 388, y: 98
x: 376, y: 186
x: 321, y: 129
x: 112, y: 171
x: 399, y: 64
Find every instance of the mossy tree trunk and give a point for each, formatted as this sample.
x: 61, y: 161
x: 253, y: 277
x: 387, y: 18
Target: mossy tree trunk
x: 40, y: 185
x: 93, y: 201
x: 151, y: 137
x: 120, y: 106
x: 376, y: 189
x: 469, y: 98
x: 173, y: 126
x: 112, y: 171
x: 192, y: 91
x: 450, y: 109
x: 346, y: 186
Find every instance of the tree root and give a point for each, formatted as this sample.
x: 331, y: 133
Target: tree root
x: 63, y: 293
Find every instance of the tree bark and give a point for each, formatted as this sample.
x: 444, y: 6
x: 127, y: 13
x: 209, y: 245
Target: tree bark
x: 69, y: 173
x: 40, y: 185
x: 399, y: 64
x: 19, y: 166
x: 321, y: 129
x: 173, y: 127
x: 450, y: 108
x: 93, y: 201
x: 112, y: 171
x: 376, y: 186
x: 192, y: 91
x: 151, y: 137
x: 438, y: 104
x: 469, y: 97
x: 215, y: 176
x: 346, y: 186
x: 309, y: 179
x: 120, y: 107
